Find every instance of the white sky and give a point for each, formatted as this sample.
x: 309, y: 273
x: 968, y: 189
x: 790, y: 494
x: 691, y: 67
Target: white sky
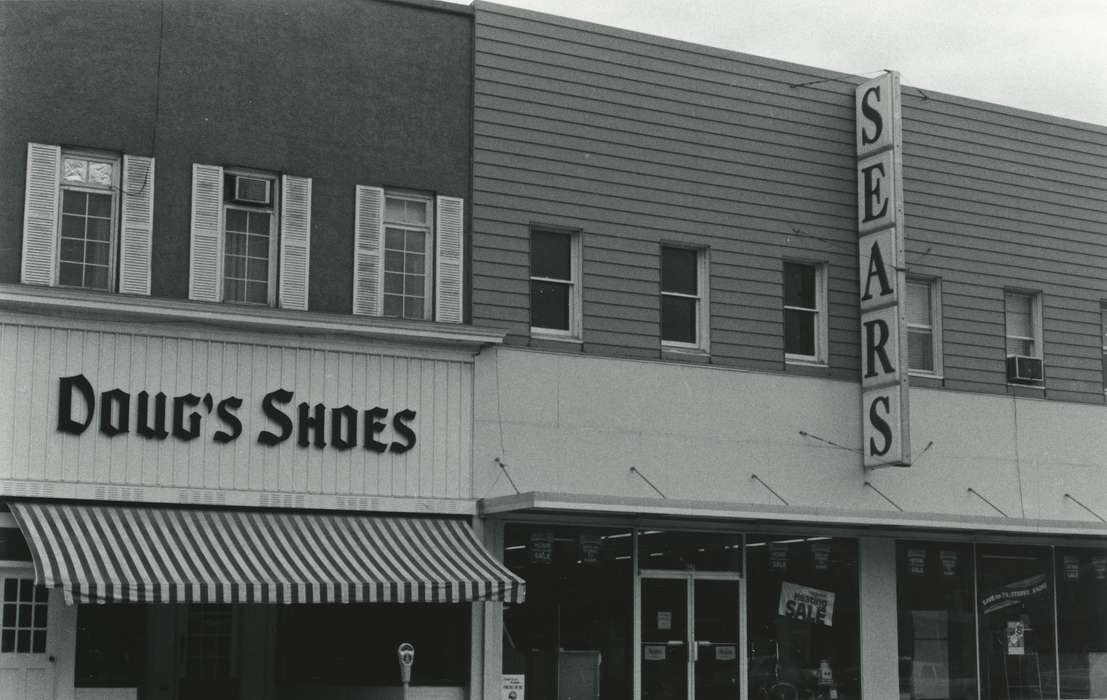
x: 1043, y: 55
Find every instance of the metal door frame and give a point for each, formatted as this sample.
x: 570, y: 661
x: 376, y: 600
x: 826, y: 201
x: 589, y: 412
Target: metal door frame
x: 690, y: 577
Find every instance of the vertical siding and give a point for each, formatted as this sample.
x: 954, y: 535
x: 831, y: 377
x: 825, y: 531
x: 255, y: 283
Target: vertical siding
x: 999, y: 198
x: 636, y: 141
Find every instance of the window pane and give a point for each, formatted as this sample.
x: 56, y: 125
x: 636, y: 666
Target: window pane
x: 234, y: 290
x: 394, y: 239
x: 394, y: 283
x: 258, y: 270
x: 920, y: 350
x: 393, y: 209
x: 393, y: 305
x: 414, y: 262
x: 1015, y: 604
x: 1016, y: 346
x: 918, y: 303
x: 234, y: 266
x: 99, y: 205
x: 416, y: 241
x: 413, y: 285
x: 23, y: 645
x: 814, y: 580
x: 414, y: 308
x: 72, y: 226
x: 73, y: 202
x: 257, y: 246
x: 1018, y: 312
x: 549, y: 305
x: 257, y: 292
x: 97, y: 253
x: 72, y: 250
x: 550, y: 255
x: 678, y: 319
x: 70, y: 275
x: 679, y: 270
x: 96, y: 277
x: 393, y: 261
x: 7, y: 641
x: 258, y: 223
x: 1081, y: 576
x: 799, y: 285
x: 937, y: 625
x: 799, y: 332
x: 38, y: 645
x: 236, y: 220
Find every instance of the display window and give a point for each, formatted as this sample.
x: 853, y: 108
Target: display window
x: 937, y: 621
x: 1081, y: 576
x: 802, y: 607
x: 573, y: 636
x: 1015, y: 605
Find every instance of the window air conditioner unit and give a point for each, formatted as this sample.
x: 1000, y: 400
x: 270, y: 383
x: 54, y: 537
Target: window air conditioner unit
x: 1024, y: 370
x: 253, y: 190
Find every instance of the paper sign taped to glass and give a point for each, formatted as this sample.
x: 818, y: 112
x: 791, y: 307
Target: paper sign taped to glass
x: 806, y: 604
x: 1013, y: 593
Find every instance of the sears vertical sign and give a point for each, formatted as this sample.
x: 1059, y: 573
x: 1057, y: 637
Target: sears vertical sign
x: 884, y: 388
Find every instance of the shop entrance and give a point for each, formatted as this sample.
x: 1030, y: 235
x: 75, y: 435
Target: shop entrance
x: 691, y: 647
x: 27, y: 668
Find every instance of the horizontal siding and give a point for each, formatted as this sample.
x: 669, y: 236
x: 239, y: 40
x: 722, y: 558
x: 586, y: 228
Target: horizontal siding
x: 636, y: 144
x: 636, y: 140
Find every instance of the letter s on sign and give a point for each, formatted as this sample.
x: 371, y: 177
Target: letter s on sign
x: 881, y: 425
x: 873, y: 115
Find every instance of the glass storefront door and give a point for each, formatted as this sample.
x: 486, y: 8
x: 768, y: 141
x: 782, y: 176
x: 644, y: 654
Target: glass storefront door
x: 689, y: 636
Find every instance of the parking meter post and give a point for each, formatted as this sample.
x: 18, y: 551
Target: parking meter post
x: 405, y: 654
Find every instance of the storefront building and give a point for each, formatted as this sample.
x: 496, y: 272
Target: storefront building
x: 236, y: 368
x: 802, y: 391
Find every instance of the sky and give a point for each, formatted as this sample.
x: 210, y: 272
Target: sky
x: 1042, y: 55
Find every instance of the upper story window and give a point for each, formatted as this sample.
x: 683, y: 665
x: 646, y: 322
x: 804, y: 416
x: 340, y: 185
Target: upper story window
x: 251, y: 237
x: 555, y: 284
x: 1022, y: 311
x: 407, y: 260
x: 924, y: 329
x: 88, y: 219
x: 804, y: 312
x: 1023, y: 320
x: 684, y: 307
x: 409, y: 255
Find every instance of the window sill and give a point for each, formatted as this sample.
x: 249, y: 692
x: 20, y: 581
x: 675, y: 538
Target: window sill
x: 804, y: 362
x: 543, y: 334
x: 1036, y: 387
x: 684, y: 353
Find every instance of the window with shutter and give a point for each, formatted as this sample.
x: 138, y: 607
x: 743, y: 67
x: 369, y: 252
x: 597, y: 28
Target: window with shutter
x: 88, y: 219
x: 251, y: 237
x: 408, y: 255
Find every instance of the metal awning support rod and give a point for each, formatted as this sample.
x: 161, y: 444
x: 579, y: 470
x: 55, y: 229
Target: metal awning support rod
x: 771, y: 490
x: 1073, y: 499
x: 634, y: 470
x: 503, y: 466
x: 881, y: 493
x: 993, y: 505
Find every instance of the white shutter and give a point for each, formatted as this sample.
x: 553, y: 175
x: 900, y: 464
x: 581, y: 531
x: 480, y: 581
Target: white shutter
x: 204, y: 281
x: 295, y: 242
x: 136, y: 224
x: 449, y: 260
x: 40, y: 214
x: 368, y: 251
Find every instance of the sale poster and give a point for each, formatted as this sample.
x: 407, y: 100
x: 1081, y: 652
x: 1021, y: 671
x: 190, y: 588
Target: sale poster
x: 806, y: 604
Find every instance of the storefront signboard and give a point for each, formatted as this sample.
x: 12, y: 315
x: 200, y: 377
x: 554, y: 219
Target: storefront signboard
x: 514, y: 686
x: 884, y: 410
x: 949, y: 562
x: 778, y: 556
x: 541, y: 547
x: 807, y: 604
x: 916, y: 561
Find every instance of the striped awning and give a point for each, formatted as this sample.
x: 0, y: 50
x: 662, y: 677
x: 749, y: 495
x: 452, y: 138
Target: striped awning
x: 108, y: 553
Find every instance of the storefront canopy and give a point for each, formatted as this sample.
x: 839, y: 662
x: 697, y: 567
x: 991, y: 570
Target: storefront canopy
x: 107, y: 553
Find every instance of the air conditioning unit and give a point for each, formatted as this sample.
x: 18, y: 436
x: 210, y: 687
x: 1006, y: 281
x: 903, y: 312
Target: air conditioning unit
x: 257, y: 191
x: 1024, y: 370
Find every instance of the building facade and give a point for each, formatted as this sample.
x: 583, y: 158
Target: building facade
x: 327, y: 328
x: 682, y: 244
x: 236, y: 370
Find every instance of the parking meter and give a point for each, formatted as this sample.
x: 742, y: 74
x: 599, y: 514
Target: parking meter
x: 406, y: 655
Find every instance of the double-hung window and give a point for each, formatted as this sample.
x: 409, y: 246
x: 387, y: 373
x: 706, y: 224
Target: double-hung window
x: 924, y: 332
x: 804, y: 312
x: 88, y: 219
x: 1023, y: 320
x: 251, y: 237
x: 684, y: 307
x: 554, y: 284
x: 407, y: 261
x: 409, y: 255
